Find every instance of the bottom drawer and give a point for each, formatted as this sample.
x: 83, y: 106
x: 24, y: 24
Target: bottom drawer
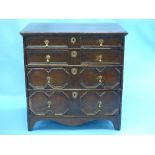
x: 74, y: 103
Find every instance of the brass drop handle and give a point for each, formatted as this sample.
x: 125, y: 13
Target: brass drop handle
x: 46, y: 43
x: 74, y: 54
x: 48, y: 57
x: 73, y: 40
x: 48, y: 78
x: 74, y: 95
x: 74, y: 71
x: 100, y: 78
x: 99, y: 104
x: 99, y: 58
x: 49, y: 104
x: 101, y: 42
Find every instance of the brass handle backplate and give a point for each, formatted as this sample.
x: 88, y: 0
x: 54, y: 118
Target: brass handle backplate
x: 74, y: 71
x: 73, y: 40
x: 101, y: 42
x: 74, y: 95
x: 48, y: 78
x: 47, y: 58
x: 99, y: 58
x: 46, y: 43
x: 74, y: 54
x: 100, y: 78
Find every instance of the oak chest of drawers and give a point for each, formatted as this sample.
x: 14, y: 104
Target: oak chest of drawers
x: 74, y: 72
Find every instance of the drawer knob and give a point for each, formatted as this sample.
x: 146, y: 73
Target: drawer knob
x: 74, y: 71
x: 99, y: 58
x: 99, y: 103
x: 46, y: 43
x: 73, y: 54
x: 74, y: 95
x: 47, y: 58
x: 101, y: 42
x: 100, y: 78
x: 48, y: 78
x: 73, y: 40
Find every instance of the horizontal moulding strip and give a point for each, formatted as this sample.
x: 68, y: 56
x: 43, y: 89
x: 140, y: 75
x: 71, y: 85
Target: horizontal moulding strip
x: 66, y: 65
x: 118, y: 89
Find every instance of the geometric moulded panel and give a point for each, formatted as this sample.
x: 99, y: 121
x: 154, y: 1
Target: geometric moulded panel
x: 40, y: 78
x: 42, y: 103
x: 104, y: 103
x: 89, y: 103
x: 108, y: 78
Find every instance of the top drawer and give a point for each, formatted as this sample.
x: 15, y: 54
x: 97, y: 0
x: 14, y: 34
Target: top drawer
x: 46, y: 41
x: 101, y: 41
x: 74, y: 41
x: 53, y: 41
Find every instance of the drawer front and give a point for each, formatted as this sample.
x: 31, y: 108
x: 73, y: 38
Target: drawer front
x: 101, y: 41
x: 45, y: 57
x: 101, y: 56
x: 48, y: 57
x: 46, y: 41
x: 105, y: 103
x: 41, y: 78
x: 103, y: 78
x: 74, y: 41
x: 48, y: 104
x: 74, y: 57
x: 75, y: 77
x: 74, y: 103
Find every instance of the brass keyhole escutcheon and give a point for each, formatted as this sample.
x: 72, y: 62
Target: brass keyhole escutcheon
x: 74, y: 95
x: 48, y: 78
x: 74, y: 71
x: 100, y: 78
x: 74, y: 54
x: 46, y: 43
x: 48, y: 57
x: 73, y: 40
x: 101, y: 42
x: 99, y: 58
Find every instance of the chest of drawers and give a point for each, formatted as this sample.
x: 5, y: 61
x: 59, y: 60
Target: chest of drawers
x: 74, y: 72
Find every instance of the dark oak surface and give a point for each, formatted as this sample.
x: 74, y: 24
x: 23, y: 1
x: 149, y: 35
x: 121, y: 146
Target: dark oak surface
x: 77, y: 76
x: 86, y: 78
x: 60, y: 103
x: 46, y: 28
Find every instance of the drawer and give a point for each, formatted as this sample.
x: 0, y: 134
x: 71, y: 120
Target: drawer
x: 74, y: 77
x: 101, y: 56
x: 74, y: 103
x: 48, y: 78
x: 50, y: 41
x: 46, y: 41
x: 74, y: 57
x: 105, y: 103
x: 45, y: 57
x: 101, y: 41
x: 49, y: 103
x: 100, y: 78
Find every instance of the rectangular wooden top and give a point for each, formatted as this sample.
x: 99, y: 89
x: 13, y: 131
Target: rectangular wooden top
x: 53, y: 28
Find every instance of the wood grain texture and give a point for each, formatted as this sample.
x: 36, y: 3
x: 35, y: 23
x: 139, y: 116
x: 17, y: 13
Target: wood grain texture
x: 73, y: 28
x: 75, y: 78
